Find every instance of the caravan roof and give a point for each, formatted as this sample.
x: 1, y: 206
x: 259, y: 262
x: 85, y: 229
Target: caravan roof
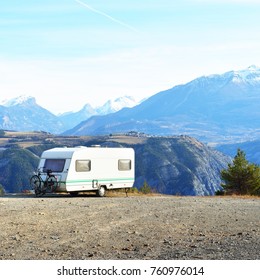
x: 61, y: 152
x: 66, y: 152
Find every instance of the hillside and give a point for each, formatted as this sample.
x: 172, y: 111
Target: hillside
x: 217, y: 108
x: 179, y: 165
x: 251, y: 148
x: 170, y: 165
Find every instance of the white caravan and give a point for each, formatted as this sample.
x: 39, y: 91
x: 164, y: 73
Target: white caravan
x: 81, y: 169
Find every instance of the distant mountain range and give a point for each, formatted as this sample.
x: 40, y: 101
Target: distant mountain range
x: 24, y: 114
x: 217, y: 108
x: 71, y: 119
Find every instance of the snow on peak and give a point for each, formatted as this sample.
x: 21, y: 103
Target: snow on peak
x: 253, y: 68
x: 249, y: 73
x: 117, y: 104
x: 122, y: 102
x: 17, y: 100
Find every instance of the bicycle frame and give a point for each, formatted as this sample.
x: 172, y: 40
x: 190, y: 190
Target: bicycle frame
x: 41, y: 186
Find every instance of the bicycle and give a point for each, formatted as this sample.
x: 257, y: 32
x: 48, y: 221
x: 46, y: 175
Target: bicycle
x: 41, y: 186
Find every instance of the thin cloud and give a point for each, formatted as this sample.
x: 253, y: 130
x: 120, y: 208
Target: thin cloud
x: 106, y: 15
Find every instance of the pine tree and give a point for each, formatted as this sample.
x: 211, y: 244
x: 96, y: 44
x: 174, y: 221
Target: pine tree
x: 241, y: 177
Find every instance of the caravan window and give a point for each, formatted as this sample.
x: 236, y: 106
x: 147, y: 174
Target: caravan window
x: 124, y: 164
x: 55, y: 165
x: 83, y: 165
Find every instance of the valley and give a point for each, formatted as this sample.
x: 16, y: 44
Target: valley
x: 170, y: 165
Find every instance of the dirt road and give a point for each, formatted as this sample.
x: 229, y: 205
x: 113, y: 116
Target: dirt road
x: 157, y: 227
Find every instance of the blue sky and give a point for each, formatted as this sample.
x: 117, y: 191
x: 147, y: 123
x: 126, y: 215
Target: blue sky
x: 67, y: 53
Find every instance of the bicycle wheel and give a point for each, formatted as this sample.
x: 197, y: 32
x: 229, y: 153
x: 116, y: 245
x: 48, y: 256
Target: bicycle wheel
x: 51, y: 183
x: 35, y: 183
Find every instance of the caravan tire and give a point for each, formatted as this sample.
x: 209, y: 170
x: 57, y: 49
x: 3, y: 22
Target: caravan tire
x: 74, y: 193
x: 101, y: 192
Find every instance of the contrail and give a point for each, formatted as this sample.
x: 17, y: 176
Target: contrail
x: 106, y: 15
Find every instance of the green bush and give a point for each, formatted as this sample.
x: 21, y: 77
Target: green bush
x: 2, y: 190
x: 133, y: 190
x: 145, y: 189
x: 219, y: 192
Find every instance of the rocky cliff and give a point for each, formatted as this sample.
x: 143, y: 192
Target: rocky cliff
x: 179, y: 165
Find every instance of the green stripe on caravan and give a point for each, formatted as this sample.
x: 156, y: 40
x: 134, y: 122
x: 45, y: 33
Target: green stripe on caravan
x: 99, y: 180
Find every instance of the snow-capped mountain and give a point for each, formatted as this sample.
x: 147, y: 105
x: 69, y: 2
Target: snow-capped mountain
x: 249, y: 76
x: 216, y: 108
x: 23, y: 114
x: 72, y: 119
x: 112, y: 106
x: 22, y: 99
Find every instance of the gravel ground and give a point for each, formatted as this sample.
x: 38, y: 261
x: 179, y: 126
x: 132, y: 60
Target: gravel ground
x: 135, y: 227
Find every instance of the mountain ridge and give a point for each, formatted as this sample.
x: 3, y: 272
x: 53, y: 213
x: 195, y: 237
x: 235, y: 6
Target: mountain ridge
x: 24, y: 114
x: 219, y: 108
x: 209, y: 108
x: 72, y: 119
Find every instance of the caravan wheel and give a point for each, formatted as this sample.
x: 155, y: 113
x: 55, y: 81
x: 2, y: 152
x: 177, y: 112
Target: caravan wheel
x: 74, y: 193
x: 101, y: 192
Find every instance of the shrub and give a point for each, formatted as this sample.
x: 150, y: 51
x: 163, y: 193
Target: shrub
x: 145, y: 189
x: 219, y: 192
x: 133, y: 190
x: 2, y: 191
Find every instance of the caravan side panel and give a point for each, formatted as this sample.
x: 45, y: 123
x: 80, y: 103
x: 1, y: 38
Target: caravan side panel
x: 94, y: 167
